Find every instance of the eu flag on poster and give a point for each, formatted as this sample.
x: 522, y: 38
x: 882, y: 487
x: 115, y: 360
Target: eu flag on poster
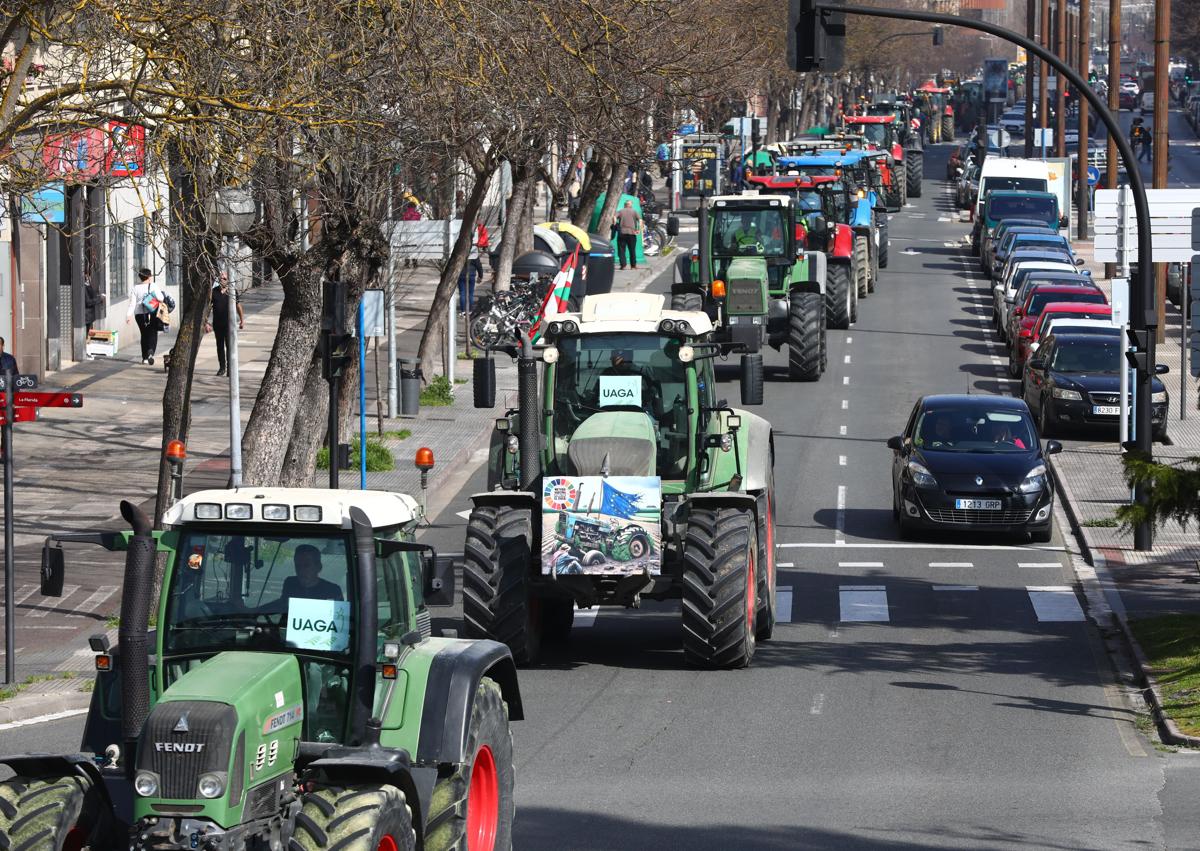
x: 619, y: 503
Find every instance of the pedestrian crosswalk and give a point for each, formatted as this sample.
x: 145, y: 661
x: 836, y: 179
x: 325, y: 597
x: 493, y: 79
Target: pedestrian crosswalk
x: 871, y: 604
x: 76, y: 602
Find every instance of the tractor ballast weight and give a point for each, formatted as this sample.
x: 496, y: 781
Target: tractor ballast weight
x: 651, y: 488
x: 278, y: 710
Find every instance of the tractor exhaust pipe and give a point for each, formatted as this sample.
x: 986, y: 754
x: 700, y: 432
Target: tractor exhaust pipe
x: 135, y: 622
x: 366, y: 626
x: 529, y: 436
x: 705, y: 257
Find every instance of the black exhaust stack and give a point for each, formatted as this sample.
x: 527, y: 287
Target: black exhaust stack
x: 705, y: 256
x: 135, y: 622
x: 366, y: 625
x: 530, y: 434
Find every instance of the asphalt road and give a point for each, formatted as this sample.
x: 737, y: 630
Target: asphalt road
x: 949, y: 703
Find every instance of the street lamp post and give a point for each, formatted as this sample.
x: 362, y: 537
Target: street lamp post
x: 231, y: 212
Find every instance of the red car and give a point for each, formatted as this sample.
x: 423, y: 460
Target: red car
x: 1126, y: 100
x: 1025, y: 316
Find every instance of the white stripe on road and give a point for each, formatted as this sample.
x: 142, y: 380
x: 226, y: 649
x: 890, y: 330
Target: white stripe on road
x: 465, y: 514
x: 845, y: 404
x: 951, y: 564
x: 585, y: 617
x: 783, y: 605
x: 863, y: 603
x: 846, y: 359
x: 845, y: 379
x: 1055, y: 603
x: 42, y: 719
x: 785, y: 564
x: 841, y: 460
x: 849, y: 340
x: 841, y: 429
x: 98, y: 596
x: 840, y: 517
x: 860, y: 564
x: 1037, y: 564
x: 817, y: 705
x: 68, y: 590
x: 900, y: 545
x: 955, y: 587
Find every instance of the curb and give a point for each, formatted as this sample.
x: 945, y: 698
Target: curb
x: 1167, y: 729
x: 30, y: 706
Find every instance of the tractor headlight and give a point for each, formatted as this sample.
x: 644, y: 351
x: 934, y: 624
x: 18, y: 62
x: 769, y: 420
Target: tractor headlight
x: 211, y: 785
x: 512, y: 444
x: 146, y: 784
x: 1034, y: 481
x: 276, y: 512
x: 237, y: 511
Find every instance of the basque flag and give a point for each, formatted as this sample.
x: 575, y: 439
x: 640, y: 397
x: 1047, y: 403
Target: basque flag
x: 558, y: 294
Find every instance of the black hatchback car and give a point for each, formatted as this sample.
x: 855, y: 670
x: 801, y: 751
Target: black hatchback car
x: 971, y: 463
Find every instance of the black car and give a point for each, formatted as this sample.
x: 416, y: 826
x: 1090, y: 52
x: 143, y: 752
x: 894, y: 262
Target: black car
x: 1074, y: 380
x: 971, y: 463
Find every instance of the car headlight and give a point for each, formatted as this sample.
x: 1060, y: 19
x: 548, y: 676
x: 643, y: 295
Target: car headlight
x: 146, y: 784
x: 1062, y: 393
x: 1159, y: 397
x: 921, y: 477
x: 1034, y: 481
x: 211, y: 785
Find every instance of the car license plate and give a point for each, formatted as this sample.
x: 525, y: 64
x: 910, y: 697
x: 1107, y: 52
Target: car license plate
x: 978, y: 504
x: 1106, y: 410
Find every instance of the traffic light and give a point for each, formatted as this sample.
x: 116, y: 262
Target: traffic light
x: 817, y: 39
x: 938, y: 37
x: 337, y: 350
x: 1139, y: 343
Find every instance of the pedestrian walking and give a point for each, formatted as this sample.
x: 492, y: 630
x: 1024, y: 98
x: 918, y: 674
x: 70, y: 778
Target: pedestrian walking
x: 1141, y: 140
x: 629, y: 225
x: 144, y: 301
x: 466, y: 279
x: 483, y: 241
x: 7, y: 362
x: 92, y: 299
x: 221, y: 296
x: 663, y: 155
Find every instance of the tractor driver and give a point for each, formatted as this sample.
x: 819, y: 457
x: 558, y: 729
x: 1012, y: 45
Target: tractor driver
x: 747, y: 239
x: 307, y: 583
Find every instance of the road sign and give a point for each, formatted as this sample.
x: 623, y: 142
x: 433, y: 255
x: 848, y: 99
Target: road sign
x: 1171, y: 221
x: 23, y: 382
x: 1093, y: 175
x: 1043, y: 137
x: 51, y: 399
x: 20, y: 415
x: 686, y: 130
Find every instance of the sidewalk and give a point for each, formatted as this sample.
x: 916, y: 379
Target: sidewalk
x: 74, y: 466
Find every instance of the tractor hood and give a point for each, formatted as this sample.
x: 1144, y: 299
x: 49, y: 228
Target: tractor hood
x: 625, y: 437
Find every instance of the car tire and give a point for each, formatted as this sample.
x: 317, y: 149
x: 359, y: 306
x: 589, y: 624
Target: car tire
x: 1045, y: 424
x: 1041, y: 536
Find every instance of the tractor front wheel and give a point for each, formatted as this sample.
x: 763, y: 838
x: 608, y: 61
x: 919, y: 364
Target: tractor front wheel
x: 55, y: 814
x: 496, y: 563
x: 915, y: 173
x: 883, y: 241
x: 354, y: 818
x: 838, y: 289
x: 862, y: 266
x: 720, y: 587
x: 687, y: 301
x: 472, y: 808
x: 804, y: 336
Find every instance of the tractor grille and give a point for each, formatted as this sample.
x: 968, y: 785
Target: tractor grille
x: 261, y: 801
x: 981, y: 518
x: 179, y: 758
x: 744, y: 297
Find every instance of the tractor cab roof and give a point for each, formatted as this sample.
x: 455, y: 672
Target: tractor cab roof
x: 626, y: 313
x: 292, y: 506
x: 870, y: 119
x: 750, y: 202
x: 791, y: 181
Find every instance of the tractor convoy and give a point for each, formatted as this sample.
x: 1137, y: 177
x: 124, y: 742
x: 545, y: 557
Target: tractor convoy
x: 277, y: 681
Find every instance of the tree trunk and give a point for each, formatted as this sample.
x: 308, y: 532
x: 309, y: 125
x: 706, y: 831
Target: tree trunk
x: 593, y: 186
x: 513, y: 216
x: 308, y: 429
x: 616, y: 181
x: 772, y: 119
x: 197, y: 275
x: 435, y: 325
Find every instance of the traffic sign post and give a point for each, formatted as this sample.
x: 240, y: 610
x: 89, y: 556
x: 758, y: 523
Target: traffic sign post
x: 1093, y: 175
x: 21, y: 414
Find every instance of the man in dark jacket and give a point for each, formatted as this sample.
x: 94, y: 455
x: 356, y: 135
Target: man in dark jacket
x: 92, y: 299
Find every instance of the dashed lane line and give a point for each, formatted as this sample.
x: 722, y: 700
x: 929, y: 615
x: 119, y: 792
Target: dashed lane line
x: 905, y: 545
x: 951, y: 564
x: 840, y: 517
x: 860, y: 564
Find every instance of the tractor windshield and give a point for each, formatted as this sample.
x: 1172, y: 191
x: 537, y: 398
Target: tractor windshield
x: 876, y: 134
x: 611, y: 372
x: 748, y: 232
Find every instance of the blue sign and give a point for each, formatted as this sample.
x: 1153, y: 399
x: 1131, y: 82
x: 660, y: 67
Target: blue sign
x: 1093, y: 175
x: 686, y: 130
x: 45, y: 205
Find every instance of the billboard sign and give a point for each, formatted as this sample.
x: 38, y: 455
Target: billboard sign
x: 995, y: 80
x: 700, y: 165
x: 118, y: 149
x: 602, y: 526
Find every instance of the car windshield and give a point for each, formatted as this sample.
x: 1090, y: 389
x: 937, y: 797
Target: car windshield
x: 1093, y: 356
x: 1048, y: 318
x: 1041, y: 241
x: 1020, y: 206
x: 973, y: 428
x: 609, y: 372
x: 757, y: 232
x: 247, y: 591
x: 1016, y: 184
x: 1039, y: 300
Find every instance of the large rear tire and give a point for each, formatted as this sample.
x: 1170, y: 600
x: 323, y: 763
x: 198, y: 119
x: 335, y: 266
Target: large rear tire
x: 53, y: 814
x: 354, y: 818
x: 497, y: 557
x: 839, y: 285
x: 719, y: 588
x: 462, y: 816
x: 687, y: 301
x: 804, y: 336
x: 947, y: 128
x: 767, y: 571
x: 862, y: 266
x: 883, y: 241
x: 915, y: 167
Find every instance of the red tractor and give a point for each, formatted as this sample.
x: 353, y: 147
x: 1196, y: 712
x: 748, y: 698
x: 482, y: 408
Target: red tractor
x: 881, y: 134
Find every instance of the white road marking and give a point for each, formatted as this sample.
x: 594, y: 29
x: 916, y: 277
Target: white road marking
x: 785, y: 564
x: 23, y: 593
x: 585, y: 617
x: 860, y: 564
x: 91, y: 603
x: 955, y: 587
x: 783, y: 605
x: 845, y: 379
x: 1037, y: 564
x: 900, y: 545
x: 42, y: 719
x: 951, y: 564
x: 846, y: 359
x: 841, y: 429
x: 1054, y: 603
x: 840, y: 517
x: 845, y: 404
x: 68, y: 590
x: 817, y: 704
x: 863, y: 603
x: 841, y: 460
x: 465, y: 514
x: 849, y: 340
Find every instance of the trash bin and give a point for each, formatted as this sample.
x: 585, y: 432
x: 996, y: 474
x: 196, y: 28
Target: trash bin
x: 539, y: 263
x: 410, y: 386
x: 600, y: 263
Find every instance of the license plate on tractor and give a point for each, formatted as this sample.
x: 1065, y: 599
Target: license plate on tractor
x: 1106, y: 410
x: 977, y: 504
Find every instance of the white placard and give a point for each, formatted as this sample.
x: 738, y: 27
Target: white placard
x: 1120, y: 301
x: 318, y: 624
x: 620, y: 390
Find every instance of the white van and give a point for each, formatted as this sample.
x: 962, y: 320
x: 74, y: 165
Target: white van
x: 1011, y: 173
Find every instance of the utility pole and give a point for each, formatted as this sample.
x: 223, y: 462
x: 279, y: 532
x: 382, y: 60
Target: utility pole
x: 1114, y: 99
x: 1162, y: 52
x: 1044, y: 77
x: 1060, y: 49
x: 1031, y: 11
x: 1085, y: 61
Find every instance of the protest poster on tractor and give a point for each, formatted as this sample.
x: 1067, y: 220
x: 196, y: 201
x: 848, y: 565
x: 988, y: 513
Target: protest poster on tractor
x: 598, y: 526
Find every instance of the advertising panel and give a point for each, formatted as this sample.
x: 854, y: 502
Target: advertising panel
x: 700, y: 165
x: 598, y: 526
x: 995, y: 80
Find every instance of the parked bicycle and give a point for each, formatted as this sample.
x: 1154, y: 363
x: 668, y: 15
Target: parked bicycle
x: 655, y: 238
x: 498, y: 318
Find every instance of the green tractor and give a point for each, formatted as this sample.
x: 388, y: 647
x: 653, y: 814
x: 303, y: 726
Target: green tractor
x: 630, y: 440
x: 292, y: 695
x: 755, y: 281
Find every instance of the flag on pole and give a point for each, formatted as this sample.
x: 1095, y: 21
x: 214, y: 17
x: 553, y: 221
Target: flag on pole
x: 558, y: 295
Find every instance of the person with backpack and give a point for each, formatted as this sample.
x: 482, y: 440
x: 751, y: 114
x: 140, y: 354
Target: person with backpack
x: 146, y: 301
x: 1141, y: 140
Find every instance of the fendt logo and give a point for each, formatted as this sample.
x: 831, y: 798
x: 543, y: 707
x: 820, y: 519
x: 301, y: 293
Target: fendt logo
x: 179, y: 747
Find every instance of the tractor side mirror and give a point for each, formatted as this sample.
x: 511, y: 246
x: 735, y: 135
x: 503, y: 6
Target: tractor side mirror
x: 53, y: 570
x: 752, y: 379
x: 439, y: 579
x: 483, y: 381
x: 672, y: 225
